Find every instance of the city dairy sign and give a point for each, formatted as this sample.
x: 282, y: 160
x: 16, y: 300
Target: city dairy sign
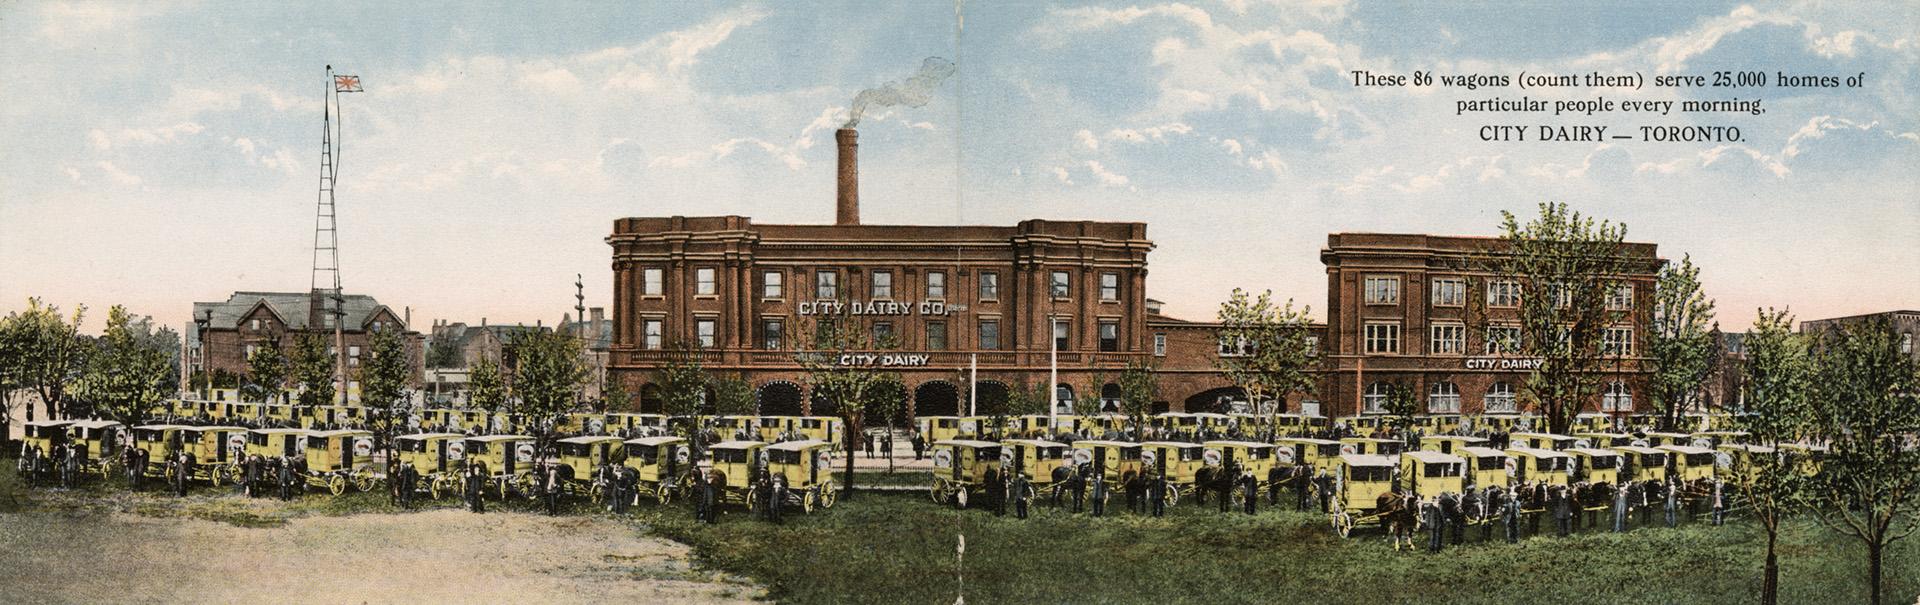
x: 1504, y: 363
x: 890, y: 360
x: 874, y: 307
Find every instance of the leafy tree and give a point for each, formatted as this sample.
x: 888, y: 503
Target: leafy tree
x: 1681, y: 343
x: 383, y: 391
x: 1138, y: 385
x: 683, y: 386
x: 733, y: 396
x: 614, y: 393
x: 1086, y: 403
x: 443, y: 354
x: 52, y: 353
x: 267, y: 371
x: 312, y: 370
x: 1273, y: 346
x: 1566, y: 263
x: 1778, y: 384
x: 1023, y: 399
x: 1866, y: 404
x: 547, y: 376
x: 486, y: 386
x: 13, y: 368
x: 887, y: 401
x: 1402, y: 405
x: 123, y: 378
x: 847, y: 385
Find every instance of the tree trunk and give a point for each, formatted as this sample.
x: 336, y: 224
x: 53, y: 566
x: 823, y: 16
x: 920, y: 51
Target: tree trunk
x: 1873, y: 571
x: 852, y: 436
x: 1770, y: 584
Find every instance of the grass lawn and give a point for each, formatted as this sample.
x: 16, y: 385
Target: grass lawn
x: 900, y: 549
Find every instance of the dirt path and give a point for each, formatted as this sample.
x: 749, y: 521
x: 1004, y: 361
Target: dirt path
x: 442, y: 556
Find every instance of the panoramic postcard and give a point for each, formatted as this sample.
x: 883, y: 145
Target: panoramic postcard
x: 970, y: 301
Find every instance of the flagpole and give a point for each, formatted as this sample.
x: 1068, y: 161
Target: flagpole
x: 1053, y: 372
x: 973, y: 384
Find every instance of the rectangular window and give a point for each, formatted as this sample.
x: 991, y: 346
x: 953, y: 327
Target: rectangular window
x: 826, y: 285
x: 1621, y: 299
x: 1110, y: 287
x: 1109, y: 337
x: 1160, y: 345
x: 1503, y: 294
x: 1906, y: 343
x: 990, y: 334
x: 1383, y: 290
x: 1060, y: 340
x: 772, y: 284
x: 1562, y: 295
x: 652, y: 333
x: 882, y: 285
x: 883, y: 334
x: 652, y: 282
x: 936, y: 336
x: 256, y: 324
x: 1449, y: 292
x: 703, y: 330
x: 1500, y: 398
x: 1230, y: 346
x: 1383, y: 338
x: 772, y: 332
x: 936, y: 285
x: 250, y: 350
x: 1449, y: 339
x: 1061, y: 284
x: 353, y: 355
x: 989, y: 286
x: 703, y: 282
x: 1502, y: 340
x: 1618, y: 342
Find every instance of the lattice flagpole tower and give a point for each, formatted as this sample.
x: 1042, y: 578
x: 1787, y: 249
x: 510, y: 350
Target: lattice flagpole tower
x: 326, y: 235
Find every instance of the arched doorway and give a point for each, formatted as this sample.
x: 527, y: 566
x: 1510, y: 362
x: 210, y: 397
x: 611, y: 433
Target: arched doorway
x: 991, y: 396
x: 936, y: 398
x: 650, y: 400
x: 821, y: 406
x: 779, y: 398
x: 1216, y: 400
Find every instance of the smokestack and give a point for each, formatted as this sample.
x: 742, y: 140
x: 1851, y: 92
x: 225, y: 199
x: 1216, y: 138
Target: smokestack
x: 849, y: 190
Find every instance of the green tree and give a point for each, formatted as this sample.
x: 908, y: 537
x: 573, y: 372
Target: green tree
x: 312, y: 370
x: 1776, y: 397
x: 486, y: 385
x: 615, y: 394
x: 443, y: 354
x: 1567, y: 263
x: 1086, y: 403
x: 1681, y: 342
x: 383, y: 391
x: 1865, y: 406
x: 1402, y: 405
x: 13, y: 368
x: 546, y: 380
x: 52, y: 353
x: 267, y: 371
x: 846, y: 385
x: 887, y: 402
x: 1138, y: 386
x: 683, y: 385
x: 1271, y: 346
x: 733, y: 396
x: 123, y: 378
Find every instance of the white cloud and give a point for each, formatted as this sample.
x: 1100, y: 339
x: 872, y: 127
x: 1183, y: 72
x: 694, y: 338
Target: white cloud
x: 65, y: 22
x: 1106, y: 177
x: 551, y: 80
x: 74, y: 175
x: 1154, y: 133
x: 100, y: 140
x: 1233, y: 147
x: 1085, y: 139
x: 116, y: 174
x: 1060, y: 173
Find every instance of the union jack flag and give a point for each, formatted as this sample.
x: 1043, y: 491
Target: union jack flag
x: 346, y: 84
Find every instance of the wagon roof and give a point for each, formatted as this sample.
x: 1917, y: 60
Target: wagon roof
x: 1369, y: 440
x: 415, y: 436
x: 1209, y: 415
x: 493, y: 438
x: 1171, y: 444
x: 1245, y: 444
x: 1537, y: 453
x: 1432, y: 457
x: 1636, y: 449
x: 1482, y: 452
x: 966, y: 443
x: 213, y: 428
x: 1106, y: 442
x: 1684, y: 449
x: 1592, y: 451
x: 50, y: 423
x: 341, y: 433
x: 1035, y: 442
x: 590, y: 439
x: 1756, y: 449
x: 1459, y: 438
x: 160, y: 427
x: 279, y: 430
x: 800, y: 445
x: 1552, y: 436
x: 665, y: 439
x: 738, y: 445
x: 1365, y: 460
x: 1307, y: 440
x: 1600, y: 434
x: 95, y: 424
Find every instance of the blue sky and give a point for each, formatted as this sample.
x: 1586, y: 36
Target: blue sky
x: 158, y: 154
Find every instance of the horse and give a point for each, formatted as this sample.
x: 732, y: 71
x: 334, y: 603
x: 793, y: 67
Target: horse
x: 1399, y: 516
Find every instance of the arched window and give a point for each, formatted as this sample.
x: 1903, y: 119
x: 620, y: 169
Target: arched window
x: 1376, y: 399
x: 1443, y: 398
x: 1618, y: 398
x: 1063, y: 397
x: 1500, y: 398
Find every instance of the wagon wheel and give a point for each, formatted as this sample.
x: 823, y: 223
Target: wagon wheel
x: 663, y: 492
x: 337, y: 484
x: 363, y: 480
x: 808, y: 499
x: 1173, y: 496
x: 106, y: 469
x: 939, y: 491
x: 753, y: 498
x: 1342, y: 524
x: 437, y: 486
x: 214, y: 475
x: 828, y: 495
x: 598, y: 493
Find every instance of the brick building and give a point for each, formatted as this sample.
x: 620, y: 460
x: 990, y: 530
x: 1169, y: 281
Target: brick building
x: 1428, y: 312
x: 227, y: 332
x: 1905, y: 324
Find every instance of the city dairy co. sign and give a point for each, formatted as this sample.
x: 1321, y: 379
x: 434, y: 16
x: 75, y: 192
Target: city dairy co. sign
x: 884, y: 308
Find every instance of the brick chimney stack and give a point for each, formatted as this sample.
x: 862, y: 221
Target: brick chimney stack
x: 848, y: 207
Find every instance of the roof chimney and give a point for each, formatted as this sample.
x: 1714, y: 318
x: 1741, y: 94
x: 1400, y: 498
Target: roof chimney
x: 599, y: 315
x: 848, y: 208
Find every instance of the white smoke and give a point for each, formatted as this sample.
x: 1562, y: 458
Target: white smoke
x: 914, y: 92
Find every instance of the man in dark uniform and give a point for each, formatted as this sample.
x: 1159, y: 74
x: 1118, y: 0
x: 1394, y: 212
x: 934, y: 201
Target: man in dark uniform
x: 1135, y: 488
x: 1251, y: 490
x: 994, y: 487
x: 1436, y: 525
x: 778, y: 499
x: 69, y: 465
x: 708, y: 492
x: 1099, y: 495
x: 628, y: 489
x: 1019, y: 496
x: 1300, y: 482
x: 406, y: 484
x: 699, y: 495
x: 181, y: 471
x: 1323, y: 484
x: 1454, y: 509
x: 919, y: 446
x: 1620, y: 509
x: 1223, y: 484
x: 1275, y: 476
x: 1079, y: 485
x: 1158, y: 492
x: 130, y: 457
x: 1512, y: 517
x: 1492, y: 500
x: 476, y: 489
x: 1673, y: 504
x: 1719, y: 503
x: 1562, y: 510
x: 253, y: 476
x: 551, y: 485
